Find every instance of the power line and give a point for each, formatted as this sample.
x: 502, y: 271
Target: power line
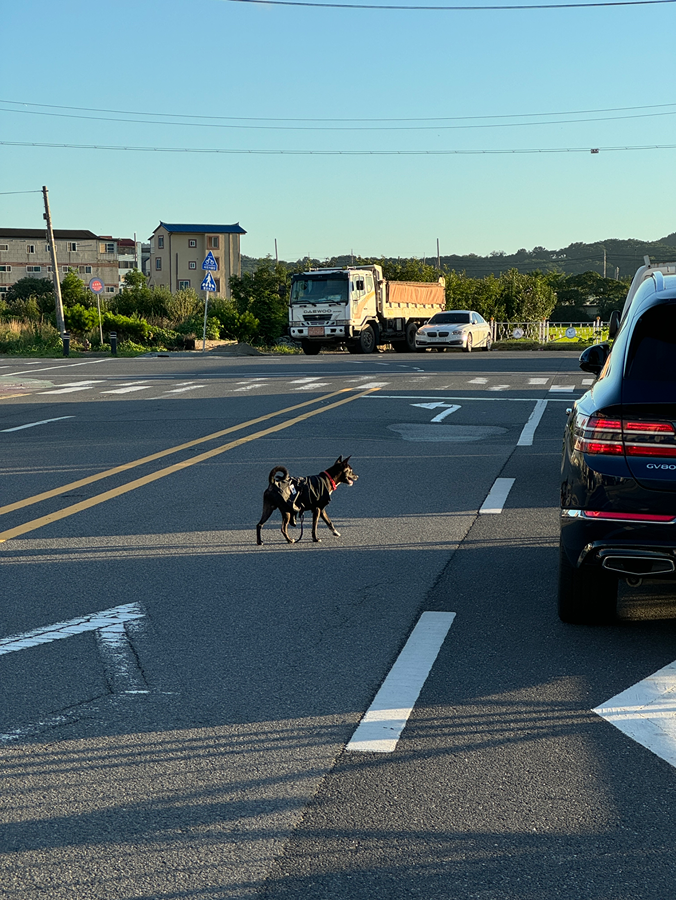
x: 455, y: 8
x: 227, y: 151
x: 6, y: 193
x: 126, y: 112
x: 437, y: 127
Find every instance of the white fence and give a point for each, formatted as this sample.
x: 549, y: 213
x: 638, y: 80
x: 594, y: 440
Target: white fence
x: 545, y: 332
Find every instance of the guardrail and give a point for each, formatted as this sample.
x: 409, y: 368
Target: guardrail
x: 546, y: 332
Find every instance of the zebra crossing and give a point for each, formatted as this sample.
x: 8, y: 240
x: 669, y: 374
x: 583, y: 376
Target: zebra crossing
x: 154, y: 389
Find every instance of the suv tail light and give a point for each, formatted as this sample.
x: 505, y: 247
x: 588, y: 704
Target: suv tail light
x: 614, y: 437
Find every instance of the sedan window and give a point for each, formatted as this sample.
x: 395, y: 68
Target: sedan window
x: 652, y: 352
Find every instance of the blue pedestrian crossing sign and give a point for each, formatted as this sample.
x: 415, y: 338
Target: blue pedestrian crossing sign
x: 210, y: 263
x: 208, y: 284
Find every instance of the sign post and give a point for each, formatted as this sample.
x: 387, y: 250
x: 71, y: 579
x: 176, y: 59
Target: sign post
x: 96, y: 287
x: 209, y: 265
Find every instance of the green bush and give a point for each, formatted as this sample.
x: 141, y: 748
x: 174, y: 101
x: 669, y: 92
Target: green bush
x: 128, y: 328
x: 80, y: 320
x: 30, y: 338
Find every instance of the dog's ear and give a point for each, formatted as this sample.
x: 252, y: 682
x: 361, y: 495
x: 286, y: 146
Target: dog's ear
x: 339, y: 460
x: 347, y: 459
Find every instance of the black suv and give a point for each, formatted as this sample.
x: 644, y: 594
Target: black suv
x: 618, y: 484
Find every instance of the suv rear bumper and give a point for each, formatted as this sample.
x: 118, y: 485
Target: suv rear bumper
x: 645, y: 550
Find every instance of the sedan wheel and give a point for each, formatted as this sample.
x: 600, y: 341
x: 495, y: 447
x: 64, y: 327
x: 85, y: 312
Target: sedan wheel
x: 468, y: 345
x: 488, y: 344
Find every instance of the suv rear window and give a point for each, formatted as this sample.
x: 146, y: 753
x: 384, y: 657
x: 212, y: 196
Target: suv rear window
x: 652, y: 352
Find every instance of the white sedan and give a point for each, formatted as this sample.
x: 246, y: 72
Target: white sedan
x: 459, y: 328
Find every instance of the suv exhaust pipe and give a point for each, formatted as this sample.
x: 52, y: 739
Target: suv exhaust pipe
x: 638, y: 565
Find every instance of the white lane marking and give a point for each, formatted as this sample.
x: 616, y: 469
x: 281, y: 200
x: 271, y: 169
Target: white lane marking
x: 562, y: 387
x: 248, y: 387
x: 45, y: 635
x: 371, y: 384
x: 72, y: 388
x: 588, y: 380
x: 646, y: 712
x: 33, y: 424
x: 385, y: 719
x: 129, y: 390
x: 528, y: 432
x: 305, y: 380
x: 538, y: 380
x: 188, y: 387
x: 316, y: 384
x: 497, y: 496
x: 90, y: 362
x: 479, y: 381
x: 499, y: 387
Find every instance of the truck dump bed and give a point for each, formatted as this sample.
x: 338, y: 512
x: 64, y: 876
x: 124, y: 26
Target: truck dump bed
x: 411, y: 299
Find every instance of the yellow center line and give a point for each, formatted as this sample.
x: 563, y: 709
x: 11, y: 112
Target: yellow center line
x: 169, y: 470
x: 46, y: 495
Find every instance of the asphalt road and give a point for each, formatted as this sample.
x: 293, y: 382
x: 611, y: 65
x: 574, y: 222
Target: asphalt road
x: 192, y: 742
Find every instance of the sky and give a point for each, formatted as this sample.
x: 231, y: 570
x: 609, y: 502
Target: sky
x: 263, y: 78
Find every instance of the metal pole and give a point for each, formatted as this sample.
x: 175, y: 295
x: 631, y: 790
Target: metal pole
x: 98, y: 306
x: 604, y: 262
x: 204, y: 336
x: 438, y: 257
x: 60, y: 324
x: 276, y: 255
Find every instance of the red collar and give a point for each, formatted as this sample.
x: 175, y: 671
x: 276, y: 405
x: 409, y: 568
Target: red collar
x: 333, y: 483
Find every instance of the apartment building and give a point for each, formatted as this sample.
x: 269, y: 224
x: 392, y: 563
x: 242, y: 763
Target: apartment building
x: 178, y: 251
x: 25, y: 252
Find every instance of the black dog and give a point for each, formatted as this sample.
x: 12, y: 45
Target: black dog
x: 292, y: 496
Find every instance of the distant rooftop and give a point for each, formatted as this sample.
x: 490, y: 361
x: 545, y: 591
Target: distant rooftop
x: 61, y: 234
x: 203, y: 229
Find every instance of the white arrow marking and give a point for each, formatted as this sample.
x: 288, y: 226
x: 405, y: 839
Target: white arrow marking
x: 646, y: 712
x: 448, y: 409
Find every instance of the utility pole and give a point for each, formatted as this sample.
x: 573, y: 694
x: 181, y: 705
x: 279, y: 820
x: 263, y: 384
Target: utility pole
x: 438, y: 257
x: 604, y: 262
x: 276, y: 254
x: 60, y: 324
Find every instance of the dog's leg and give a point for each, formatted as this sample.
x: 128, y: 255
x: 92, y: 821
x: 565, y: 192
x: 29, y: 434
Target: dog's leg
x: 268, y: 510
x: 286, y: 518
x: 315, y: 522
x: 328, y: 521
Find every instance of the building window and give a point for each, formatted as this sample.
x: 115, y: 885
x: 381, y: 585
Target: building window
x: 5, y: 268
x: 88, y: 270
x: 158, y: 263
x: 160, y: 242
x: 34, y: 268
x: 218, y: 285
x: 110, y: 290
x: 3, y: 288
x: 72, y: 247
x: 30, y: 248
x: 218, y: 261
x: 65, y: 269
x: 213, y: 242
x: 183, y: 285
x: 192, y: 242
x: 4, y: 246
x: 192, y: 264
x: 47, y: 248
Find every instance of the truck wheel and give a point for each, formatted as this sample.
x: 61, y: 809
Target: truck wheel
x: 411, y: 331
x: 586, y: 596
x: 367, y: 340
x: 310, y: 348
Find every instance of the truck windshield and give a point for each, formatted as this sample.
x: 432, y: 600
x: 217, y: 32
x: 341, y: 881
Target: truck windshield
x: 318, y: 290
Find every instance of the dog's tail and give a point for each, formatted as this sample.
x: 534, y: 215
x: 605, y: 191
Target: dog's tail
x: 272, y: 477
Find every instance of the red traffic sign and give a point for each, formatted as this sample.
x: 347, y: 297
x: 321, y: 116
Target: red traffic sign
x: 96, y: 286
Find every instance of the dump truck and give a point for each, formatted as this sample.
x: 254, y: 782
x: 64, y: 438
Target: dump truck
x: 356, y: 307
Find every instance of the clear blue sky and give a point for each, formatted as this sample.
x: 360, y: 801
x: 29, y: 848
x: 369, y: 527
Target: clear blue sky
x: 218, y: 58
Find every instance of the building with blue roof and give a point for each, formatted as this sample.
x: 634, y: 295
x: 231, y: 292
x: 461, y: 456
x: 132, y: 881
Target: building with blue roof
x: 178, y: 251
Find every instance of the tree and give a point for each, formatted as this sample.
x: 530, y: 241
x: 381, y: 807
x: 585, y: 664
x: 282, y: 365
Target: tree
x: 576, y: 293
x: 74, y: 292
x: 41, y: 289
x: 137, y: 297
x: 265, y: 294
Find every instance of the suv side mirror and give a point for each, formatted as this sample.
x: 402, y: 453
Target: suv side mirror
x: 613, y: 324
x: 593, y: 359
